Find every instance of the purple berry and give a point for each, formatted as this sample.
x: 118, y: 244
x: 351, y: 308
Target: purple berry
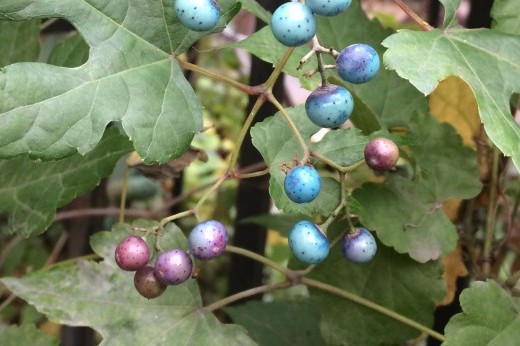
x: 381, y: 154
x: 207, y: 240
x: 359, y: 247
x: 173, y: 267
x: 308, y: 243
x: 132, y: 253
x: 329, y: 106
x: 358, y: 63
x: 302, y: 184
x: 147, y: 284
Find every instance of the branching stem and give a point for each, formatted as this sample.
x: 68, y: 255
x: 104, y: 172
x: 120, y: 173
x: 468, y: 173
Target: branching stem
x: 416, y: 18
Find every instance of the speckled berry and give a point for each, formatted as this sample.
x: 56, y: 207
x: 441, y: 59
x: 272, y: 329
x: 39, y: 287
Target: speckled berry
x: 359, y: 247
x: 197, y: 15
x: 302, y: 184
x: 328, y: 7
x: 147, y: 284
x: 358, y: 63
x: 381, y: 154
x: 132, y: 253
x: 329, y: 106
x: 293, y: 24
x: 308, y: 243
x: 207, y: 240
x: 173, y: 267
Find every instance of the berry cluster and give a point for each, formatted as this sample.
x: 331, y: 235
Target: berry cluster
x: 206, y: 241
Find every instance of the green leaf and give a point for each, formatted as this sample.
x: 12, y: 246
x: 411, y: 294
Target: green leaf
x: 255, y: 8
x: 19, y: 41
x: 407, y: 217
x: 489, y: 317
x: 485, y: 59
x: 284, y: 323
x: 506, y: 16
x: 26, y: 334
x: 31, y: 191
x: 275, y: 141
x: 450, y: 12
x: 52, y: 112
x: 71, y: 53
x: 102, y: 296
x: 282, y: 223
x: 391, y: 280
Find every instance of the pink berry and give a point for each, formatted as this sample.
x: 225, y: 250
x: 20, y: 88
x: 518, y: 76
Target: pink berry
x: 132, y: 253
x: 381, y: 154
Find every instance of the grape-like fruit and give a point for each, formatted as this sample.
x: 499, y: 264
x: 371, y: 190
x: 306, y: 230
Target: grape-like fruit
x: 359, y: 247
x: 147, y: 284
x: 302, y: 184
x: 308, y: 243
x: 207, y: 240
x: 328, y: 7
x: 173, y: 267
x: 329, y: 106
x: 357, y: 63
x: 381, y: 154
x: 132, y: 253
x: 197, y: 15
x: 293, y: 24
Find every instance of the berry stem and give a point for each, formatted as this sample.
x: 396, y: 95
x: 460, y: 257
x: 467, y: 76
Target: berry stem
x: 371, y: 305
x: 252, y: 174
x: 416, y: 18
x: 342, y: 169
x: 170, y: 218
x: 259, y: 258
x: 247, y: 293
x: 278, y: 70
x: 324, y: 226
x: 208, y: 193
x: 321, y: 69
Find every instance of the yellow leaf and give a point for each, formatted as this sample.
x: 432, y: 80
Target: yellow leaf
x: 453, y: 268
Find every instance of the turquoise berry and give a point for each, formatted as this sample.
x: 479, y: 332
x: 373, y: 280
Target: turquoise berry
x: 293, y: 24
x: 197, y: 15
x: 207, y: 240
x: 358, y: 63
x: 359, y: 247
x: 308, y: 243
x: 328, y: 7
x: 302, y: 184
x: 329, y: 106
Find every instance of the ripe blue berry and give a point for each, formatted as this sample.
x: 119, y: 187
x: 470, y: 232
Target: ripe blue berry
x: 293, y: 24
x: 302, y: 184
x: 308, y: 242
x: 197, y: 15
x: 329, y: 106
x: 147, y: 284
x: 207, y: 240
x: 359, y: 247
x: 173, y: 267
x: 132, y: 253
x: 358, y: 63
x: 381, y: 154
x: 328, y: 7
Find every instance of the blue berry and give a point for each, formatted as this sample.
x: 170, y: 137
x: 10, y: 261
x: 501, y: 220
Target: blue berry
x: 328, y: 7
x: 302, y: 184
x: 359, y: 247
x: 329, y: 106
x: 293, y: 24
x: 308, y: 243
x: 132, y: 253
x: 358, y: 63
x: 173, y: 267
x: 207, y: 240
x: 197, y: 15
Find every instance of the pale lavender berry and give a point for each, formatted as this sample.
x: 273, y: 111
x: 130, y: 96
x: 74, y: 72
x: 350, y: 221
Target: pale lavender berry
x: 147, y: 284
x: 360, y: 246
x: 358, y: 63
x: 132, y: 253
x: 173, y: 267
x: 207, y: 240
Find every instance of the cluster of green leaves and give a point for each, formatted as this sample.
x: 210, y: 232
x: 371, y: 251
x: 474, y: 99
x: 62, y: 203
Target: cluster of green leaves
x: 126, y: 72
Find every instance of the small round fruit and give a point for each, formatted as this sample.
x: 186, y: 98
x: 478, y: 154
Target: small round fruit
x: 359, y: 247
x: 329, y: 106
x: 173, y: 267
x: 293, y: 24
x: 328, y: 7
x: 381, y: 154
x: 358, y: 63
x: 302, y: 184
x: 147, y: 284
x: 308, y: 243
x: 132, y: 253
x: 197, y: 15
x: 207, y: 240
